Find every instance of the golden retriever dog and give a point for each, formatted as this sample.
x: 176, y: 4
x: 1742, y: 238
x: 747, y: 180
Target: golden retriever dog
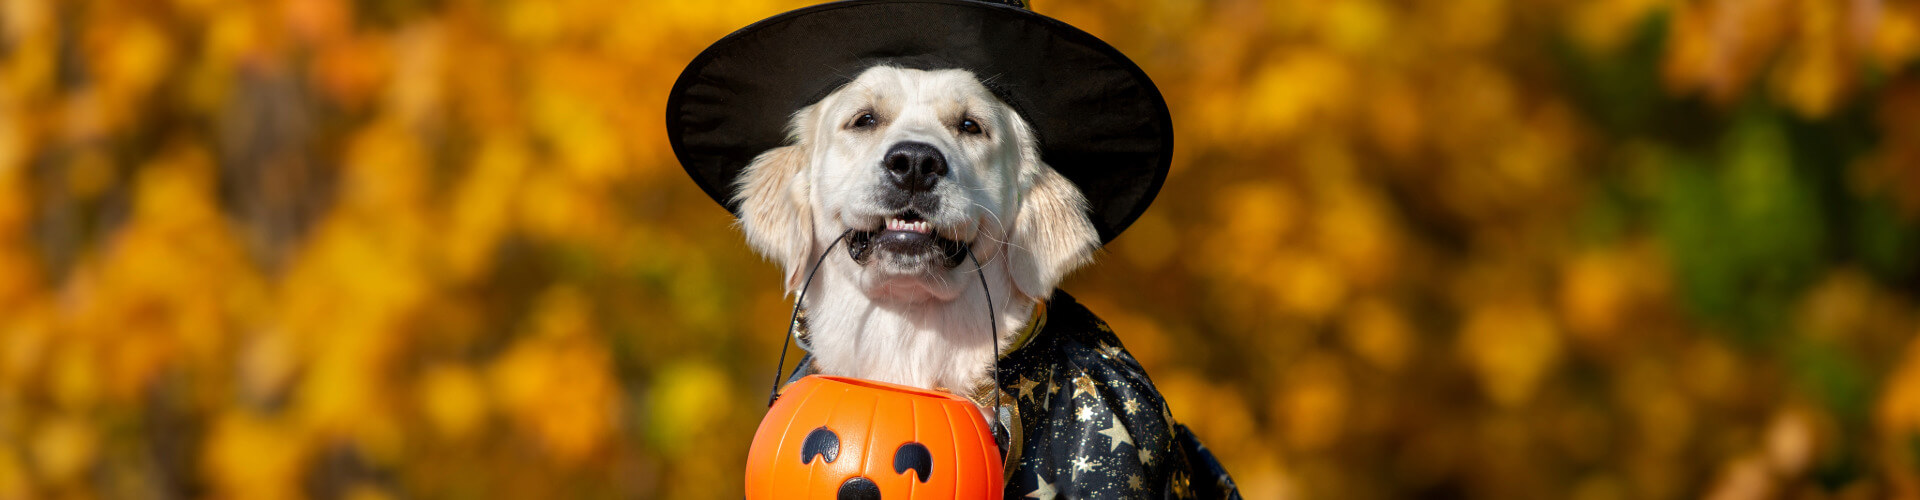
x: 910, y: 188
x: 918, y: 169
x: 925, y: 172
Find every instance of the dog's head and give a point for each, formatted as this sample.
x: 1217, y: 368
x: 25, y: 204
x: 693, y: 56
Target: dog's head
x: 923, y: 167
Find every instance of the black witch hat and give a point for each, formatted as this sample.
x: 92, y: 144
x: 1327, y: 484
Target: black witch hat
x: 1100, y: 120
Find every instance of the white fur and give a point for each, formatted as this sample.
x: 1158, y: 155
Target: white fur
x: 901, y: 320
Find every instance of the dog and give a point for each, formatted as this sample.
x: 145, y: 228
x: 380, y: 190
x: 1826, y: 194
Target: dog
x: 915, y: 186
x: 926, y: 169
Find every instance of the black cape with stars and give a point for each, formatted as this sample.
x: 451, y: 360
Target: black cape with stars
x: 1091, y: 423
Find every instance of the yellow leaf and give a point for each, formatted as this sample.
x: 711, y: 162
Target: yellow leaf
x: 1603, y: 26
x: 1358, y: 26
x: 14, y: 481
x: 453, y: 399
x: 1899, y: 408
x: 1511, y: 346
x: 249, y: 457
x: 1379, y: 333
x: 1896, y: 38
x: 1812, y: 73
x: 1594, y: 294
x: 1314, y: 406
x: 1289, y: 91
x: 63, y: 448
x: 689, y: 399
x: 481, y: 205
x: 1307, y: 283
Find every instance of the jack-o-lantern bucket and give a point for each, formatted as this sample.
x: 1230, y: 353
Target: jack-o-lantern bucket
x: 844, y: 438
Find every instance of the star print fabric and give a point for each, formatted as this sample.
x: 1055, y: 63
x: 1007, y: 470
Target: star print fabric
x: 1093, y: 425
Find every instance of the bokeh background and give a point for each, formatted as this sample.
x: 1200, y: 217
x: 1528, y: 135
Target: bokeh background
x: 1588, y: 249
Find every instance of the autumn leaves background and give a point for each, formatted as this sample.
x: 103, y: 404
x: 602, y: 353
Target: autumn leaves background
x: 1486, y: 248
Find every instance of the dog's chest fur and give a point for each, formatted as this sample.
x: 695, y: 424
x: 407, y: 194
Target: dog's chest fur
x: 935, y: 345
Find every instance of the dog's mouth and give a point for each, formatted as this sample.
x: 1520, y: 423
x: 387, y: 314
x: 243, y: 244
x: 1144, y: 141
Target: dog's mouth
x: 906, y: 234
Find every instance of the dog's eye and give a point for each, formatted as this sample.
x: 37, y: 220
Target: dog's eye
x: 863, y: 121
x: 969, y: 126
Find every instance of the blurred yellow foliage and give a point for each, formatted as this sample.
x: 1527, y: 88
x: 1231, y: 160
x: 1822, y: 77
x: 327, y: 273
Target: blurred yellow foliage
x: 554, y: 381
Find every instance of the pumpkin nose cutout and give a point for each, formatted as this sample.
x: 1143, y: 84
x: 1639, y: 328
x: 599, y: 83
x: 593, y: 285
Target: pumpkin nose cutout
x: 914, y: 457
x: 823, y: 442
x: 858, y: 488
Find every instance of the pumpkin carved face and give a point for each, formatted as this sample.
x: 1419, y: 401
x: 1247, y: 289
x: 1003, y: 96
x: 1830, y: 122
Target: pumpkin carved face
x: 851, y: 439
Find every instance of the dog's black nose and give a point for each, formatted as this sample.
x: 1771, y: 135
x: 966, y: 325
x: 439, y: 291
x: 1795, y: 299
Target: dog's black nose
x: 915, y: 166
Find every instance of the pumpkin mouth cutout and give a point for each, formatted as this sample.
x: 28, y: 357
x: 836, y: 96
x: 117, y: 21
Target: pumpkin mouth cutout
x: 874, y: 384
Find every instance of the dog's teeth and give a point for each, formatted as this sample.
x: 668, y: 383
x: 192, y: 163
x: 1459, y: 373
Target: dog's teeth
x: 922, y: 227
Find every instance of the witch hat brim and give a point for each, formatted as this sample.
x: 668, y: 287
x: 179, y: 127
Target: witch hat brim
x: 1100, y: 120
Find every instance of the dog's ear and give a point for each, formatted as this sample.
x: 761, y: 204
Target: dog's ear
x: 1052, y: 235
x: 774, y: 212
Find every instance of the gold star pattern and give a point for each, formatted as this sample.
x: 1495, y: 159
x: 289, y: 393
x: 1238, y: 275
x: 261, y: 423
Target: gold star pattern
x: 1080, y: 464
x: 1116, y: 435
x: 1026, y: 386
x: 1052, y: 389
x: 1082, y: 384
x: 1071, y: 358
x: 1045, y: 491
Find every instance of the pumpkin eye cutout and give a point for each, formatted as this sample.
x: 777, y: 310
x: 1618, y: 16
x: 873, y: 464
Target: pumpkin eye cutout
x: 914, y: 457
x: 822, y: 442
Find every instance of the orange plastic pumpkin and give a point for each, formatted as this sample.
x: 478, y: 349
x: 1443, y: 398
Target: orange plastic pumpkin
x: 844, y: 438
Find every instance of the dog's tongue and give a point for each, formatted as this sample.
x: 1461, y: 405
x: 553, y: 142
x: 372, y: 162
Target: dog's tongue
x: 904, y: 240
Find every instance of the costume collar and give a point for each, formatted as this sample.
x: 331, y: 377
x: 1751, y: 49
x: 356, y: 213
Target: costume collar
x: 1035, y: 322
